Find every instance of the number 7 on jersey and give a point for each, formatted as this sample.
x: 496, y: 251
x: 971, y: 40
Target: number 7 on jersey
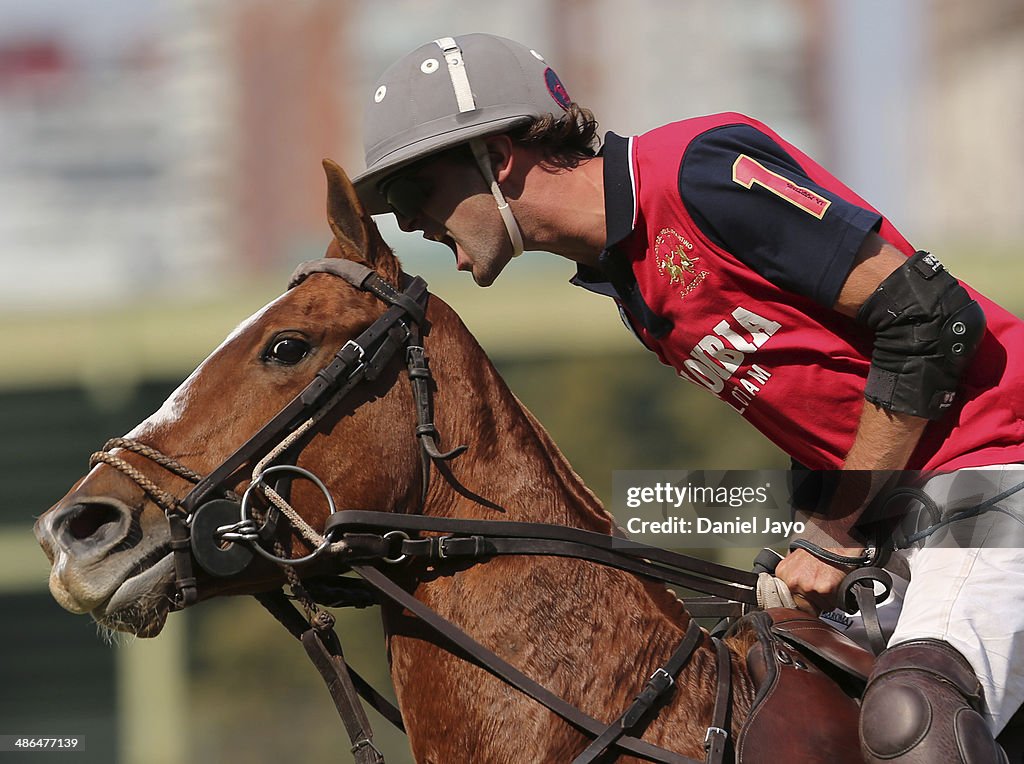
x: 747, y: 171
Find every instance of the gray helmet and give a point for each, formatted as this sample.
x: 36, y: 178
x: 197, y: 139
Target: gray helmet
x: 448, y: 92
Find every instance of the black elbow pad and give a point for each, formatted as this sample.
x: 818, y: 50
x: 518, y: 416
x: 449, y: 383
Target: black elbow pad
x: 927, y: 329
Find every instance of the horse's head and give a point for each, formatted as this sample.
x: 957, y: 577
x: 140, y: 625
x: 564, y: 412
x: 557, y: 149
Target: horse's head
x: 109, y: 539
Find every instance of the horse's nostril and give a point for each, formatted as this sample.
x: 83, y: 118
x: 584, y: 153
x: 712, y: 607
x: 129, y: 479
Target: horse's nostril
x: 90, y: 519
x: 90, y: 527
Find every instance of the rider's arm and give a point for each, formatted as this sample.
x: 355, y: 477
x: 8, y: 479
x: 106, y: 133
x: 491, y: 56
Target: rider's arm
x: 885, y: 438
x: 838, y: 260
x: 913, y: 379
x: 884, y: 442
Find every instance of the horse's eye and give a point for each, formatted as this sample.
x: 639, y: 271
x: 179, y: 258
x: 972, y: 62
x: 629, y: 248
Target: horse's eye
x: 287, y: 350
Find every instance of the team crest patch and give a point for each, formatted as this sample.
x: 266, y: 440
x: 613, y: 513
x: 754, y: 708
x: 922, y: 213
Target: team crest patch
x: 678, y: 261
x: 557, y: 89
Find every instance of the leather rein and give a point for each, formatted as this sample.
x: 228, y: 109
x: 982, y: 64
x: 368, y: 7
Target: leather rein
x: 201, y: 523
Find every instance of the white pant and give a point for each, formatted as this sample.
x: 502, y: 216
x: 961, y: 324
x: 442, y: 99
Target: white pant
x: 966, y: 586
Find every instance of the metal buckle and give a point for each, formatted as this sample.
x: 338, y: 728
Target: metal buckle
x: 365, y: 743
x: 357, y: 346
x: 441, y: 554
x: 713, y: 731
x: 360, y: 359
x: 661, y: 673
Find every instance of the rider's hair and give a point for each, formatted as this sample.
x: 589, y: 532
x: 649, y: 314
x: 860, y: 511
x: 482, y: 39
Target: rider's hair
x: 566, y: 140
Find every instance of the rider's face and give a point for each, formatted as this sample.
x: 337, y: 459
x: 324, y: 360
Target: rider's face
x: 447, y: 199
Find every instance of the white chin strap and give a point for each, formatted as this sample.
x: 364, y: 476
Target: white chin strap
x: 483, y: 160
x: 466, y: 102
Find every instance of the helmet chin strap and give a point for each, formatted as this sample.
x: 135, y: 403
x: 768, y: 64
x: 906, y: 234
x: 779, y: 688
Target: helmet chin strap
x: 479, y: 149
x: 464, y: 97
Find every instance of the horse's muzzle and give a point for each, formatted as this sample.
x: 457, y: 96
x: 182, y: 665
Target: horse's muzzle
x: 94, y: 544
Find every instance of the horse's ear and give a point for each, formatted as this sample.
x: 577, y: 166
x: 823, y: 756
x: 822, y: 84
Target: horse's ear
x: 355, y: 234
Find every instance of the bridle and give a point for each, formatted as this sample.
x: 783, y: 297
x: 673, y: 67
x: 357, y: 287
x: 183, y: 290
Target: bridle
x: 210, y: 515
x: 360, y: 359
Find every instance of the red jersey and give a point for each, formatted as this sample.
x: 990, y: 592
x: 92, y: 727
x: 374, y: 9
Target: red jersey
x: 727, y: 247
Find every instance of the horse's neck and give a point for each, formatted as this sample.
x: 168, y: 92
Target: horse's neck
x: 512, y: 471
x: 585, y: 631
x: 512, y: 464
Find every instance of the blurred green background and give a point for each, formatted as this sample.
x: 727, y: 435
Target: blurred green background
x: 159, y: 172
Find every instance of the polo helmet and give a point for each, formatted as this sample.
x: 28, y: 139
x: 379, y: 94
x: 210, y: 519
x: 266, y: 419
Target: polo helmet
x: 449, y: 92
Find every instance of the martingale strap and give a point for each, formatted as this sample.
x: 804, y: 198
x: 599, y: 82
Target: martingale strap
x: 477, y: 540
x: 343, y: 682
x: 328, y: 660
x: 658, y: 685
x: 509, y: 674
x: 663, y: 680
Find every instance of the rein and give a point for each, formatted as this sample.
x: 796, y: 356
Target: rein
x: 210, y: 515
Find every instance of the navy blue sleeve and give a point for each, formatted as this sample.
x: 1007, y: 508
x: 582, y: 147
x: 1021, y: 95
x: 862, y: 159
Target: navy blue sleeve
x: 784, y: 241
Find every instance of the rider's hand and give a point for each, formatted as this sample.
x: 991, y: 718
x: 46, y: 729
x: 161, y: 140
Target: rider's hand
x: 812, y: 582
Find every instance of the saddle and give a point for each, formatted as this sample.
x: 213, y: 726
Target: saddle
x: 809, y: 679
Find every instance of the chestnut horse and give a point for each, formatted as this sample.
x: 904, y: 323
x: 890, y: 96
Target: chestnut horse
x: 590, y: 634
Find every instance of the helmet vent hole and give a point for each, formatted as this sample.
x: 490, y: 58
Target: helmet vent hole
x: 379, y: 95
x: 429, y: 66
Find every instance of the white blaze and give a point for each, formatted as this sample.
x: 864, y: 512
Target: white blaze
x: 172, y: 409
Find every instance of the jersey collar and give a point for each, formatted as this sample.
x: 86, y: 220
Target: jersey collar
x: 619, y: 213
x: 619, y: 189
x: 614, y: 276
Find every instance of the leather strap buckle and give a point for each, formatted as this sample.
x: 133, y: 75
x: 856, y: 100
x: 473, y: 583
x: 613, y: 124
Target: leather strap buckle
x: 714, y: 731
x: 441, y: 554
x: 661, y: 680
x: 365, y: 749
